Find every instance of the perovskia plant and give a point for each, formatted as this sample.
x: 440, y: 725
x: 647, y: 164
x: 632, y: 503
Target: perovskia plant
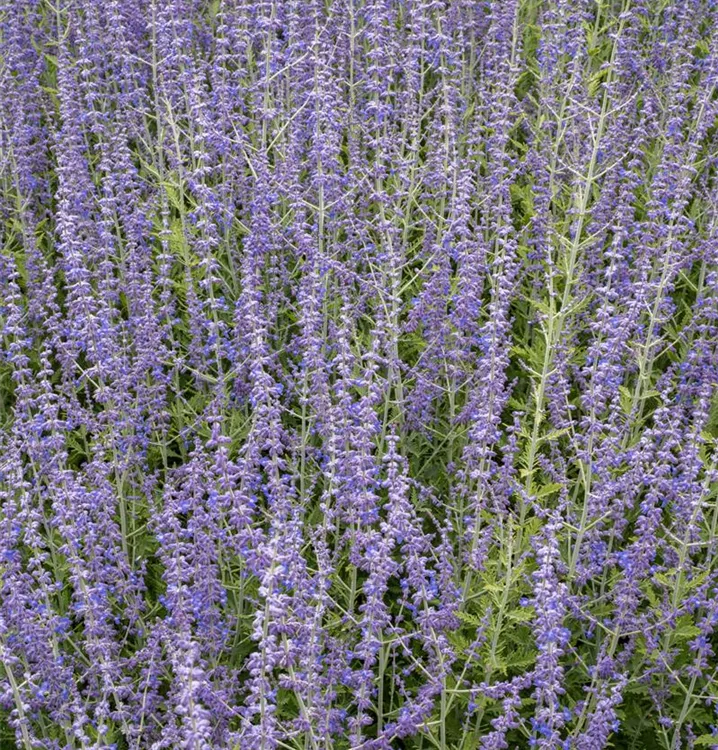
x: 359, y: 372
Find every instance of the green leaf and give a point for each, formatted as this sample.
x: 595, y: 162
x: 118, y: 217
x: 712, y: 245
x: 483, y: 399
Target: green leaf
x: 549, y: 489
x: 626, y: 398
x: 684, y: 632
x: 469, y: 619
x: 521, y: 657
x: 522, y: 614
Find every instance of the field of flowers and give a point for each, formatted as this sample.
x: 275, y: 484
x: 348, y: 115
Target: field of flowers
x: 358, y: 374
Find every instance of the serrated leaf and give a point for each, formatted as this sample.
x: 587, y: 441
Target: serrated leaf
x: 469, y: 619
x: 684, y: 632
x: 522, y: 614
x: 490, y: 585
x: 697, y: 580
x: 549, y: 489
x: 556, y: 433
x: 626, y: 398
x: 521, y: 657
x: 652, y: 597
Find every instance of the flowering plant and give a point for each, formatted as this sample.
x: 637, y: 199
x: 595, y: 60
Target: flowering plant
x: 358, y: 374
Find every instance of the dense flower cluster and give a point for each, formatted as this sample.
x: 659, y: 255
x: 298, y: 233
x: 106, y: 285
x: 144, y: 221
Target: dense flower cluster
x: 358, y: 374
